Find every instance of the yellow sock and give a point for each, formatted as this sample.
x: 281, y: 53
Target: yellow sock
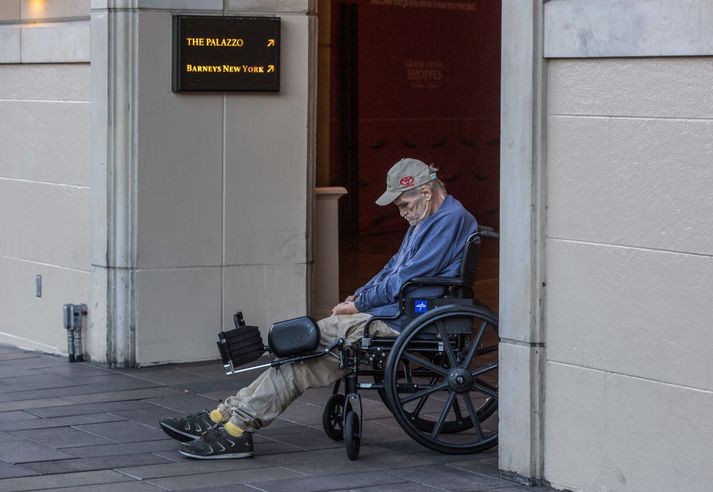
x: 216, y: 416
x: 233, y: 429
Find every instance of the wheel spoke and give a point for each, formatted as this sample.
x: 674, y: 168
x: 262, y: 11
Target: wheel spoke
x: 485, y: 369
x: 456, y: 410
x: 423, y: 393
x: 423, y: 400
x: 473, y: 415
x: 487, y: 389
x: 422, y: 362
x: 474, y: 345
x: 442, y: 417
x: 407, y: 371
x: 446, y: 342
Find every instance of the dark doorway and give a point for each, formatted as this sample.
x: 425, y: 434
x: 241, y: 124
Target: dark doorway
x: 412, y: 78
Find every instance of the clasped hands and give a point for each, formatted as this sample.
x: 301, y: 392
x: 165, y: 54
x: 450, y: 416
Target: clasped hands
x: 346, y: 307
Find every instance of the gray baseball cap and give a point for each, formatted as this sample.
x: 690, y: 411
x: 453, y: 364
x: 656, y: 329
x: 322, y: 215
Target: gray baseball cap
x: 405, y: 175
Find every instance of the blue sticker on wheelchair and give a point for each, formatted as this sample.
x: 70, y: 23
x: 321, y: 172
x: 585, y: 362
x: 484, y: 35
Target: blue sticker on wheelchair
x: 420, y: 306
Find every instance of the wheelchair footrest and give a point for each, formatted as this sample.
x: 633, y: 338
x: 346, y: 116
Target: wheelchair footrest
x: 240, y: 346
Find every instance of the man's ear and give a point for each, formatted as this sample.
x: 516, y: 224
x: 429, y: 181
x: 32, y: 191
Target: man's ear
x: 427, y: 192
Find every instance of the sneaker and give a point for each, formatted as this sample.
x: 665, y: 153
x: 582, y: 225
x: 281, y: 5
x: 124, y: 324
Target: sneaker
x: 217, y: 444
x: 188, y: 428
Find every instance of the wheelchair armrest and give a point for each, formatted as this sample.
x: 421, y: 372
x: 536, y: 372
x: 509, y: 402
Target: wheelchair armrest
x: 436, y: 281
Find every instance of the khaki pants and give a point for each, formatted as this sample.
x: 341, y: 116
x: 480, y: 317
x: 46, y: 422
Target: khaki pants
x: 272, y: 392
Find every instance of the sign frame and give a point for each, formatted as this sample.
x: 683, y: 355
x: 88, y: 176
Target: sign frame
x: 257, y: 67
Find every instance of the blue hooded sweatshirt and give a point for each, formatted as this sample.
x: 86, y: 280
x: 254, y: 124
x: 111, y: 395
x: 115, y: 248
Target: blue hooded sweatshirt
x: 433, y: 248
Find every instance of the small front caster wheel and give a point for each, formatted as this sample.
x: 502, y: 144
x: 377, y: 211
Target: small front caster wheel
x: 352, y: 435
x: 333, y: 417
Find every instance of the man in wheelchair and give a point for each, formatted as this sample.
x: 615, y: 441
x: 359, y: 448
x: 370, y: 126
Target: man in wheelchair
x: 432, y: 247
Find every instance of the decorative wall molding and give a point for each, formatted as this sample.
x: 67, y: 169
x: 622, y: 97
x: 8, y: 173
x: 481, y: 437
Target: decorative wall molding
x: 53, y: 42
x: 628, y: 28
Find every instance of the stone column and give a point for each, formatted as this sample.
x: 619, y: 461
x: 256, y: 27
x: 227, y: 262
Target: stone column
x: 521, y: 247
x: 202, y: 201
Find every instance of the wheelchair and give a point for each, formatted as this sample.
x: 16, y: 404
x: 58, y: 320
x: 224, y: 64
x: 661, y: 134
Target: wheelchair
x: 438, y: 377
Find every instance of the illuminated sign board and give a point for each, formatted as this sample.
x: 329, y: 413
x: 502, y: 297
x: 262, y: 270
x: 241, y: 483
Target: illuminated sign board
x: 226, y: 53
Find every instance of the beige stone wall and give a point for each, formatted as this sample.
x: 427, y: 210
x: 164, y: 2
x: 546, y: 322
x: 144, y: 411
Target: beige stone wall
x: 31, y: 10
x: 629, y: 273
x: 44, y: 199
x: 45, y: 172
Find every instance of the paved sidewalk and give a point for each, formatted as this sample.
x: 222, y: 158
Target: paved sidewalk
x: 85, y: 427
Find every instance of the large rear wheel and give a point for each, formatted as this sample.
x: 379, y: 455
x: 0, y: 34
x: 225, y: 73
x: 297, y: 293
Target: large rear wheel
x: 441, y: 379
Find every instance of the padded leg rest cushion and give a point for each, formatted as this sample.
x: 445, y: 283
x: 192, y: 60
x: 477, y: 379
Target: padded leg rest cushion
x: 294, y: 336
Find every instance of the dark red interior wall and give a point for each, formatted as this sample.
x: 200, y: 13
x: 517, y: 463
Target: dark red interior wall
x: 427, y: 86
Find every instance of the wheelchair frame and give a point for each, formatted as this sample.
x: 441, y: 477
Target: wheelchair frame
x: 449, y: 350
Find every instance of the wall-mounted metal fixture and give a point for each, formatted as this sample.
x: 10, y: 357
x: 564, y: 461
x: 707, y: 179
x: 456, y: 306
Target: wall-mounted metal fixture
x: 73, y: 324
x: 38, y: 285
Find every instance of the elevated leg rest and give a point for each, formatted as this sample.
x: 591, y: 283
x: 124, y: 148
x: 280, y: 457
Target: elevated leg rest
x: 294, y: 340
x: 241, y: 345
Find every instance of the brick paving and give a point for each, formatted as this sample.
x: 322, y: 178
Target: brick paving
x: 84, y: 427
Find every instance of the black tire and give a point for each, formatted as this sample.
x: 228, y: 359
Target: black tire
x: 352, y: 435
x: 449, y: 427
x: 333, y: 417
x: 446, y: 398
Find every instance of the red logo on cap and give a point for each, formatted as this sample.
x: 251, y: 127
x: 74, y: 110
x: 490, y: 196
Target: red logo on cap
x: 406, y: 181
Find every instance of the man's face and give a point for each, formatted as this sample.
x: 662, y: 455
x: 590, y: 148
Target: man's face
x: 413, y: 206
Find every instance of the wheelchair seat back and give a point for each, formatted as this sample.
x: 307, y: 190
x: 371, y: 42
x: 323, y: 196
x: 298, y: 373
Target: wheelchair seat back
x: 461, y: 294
x: 469, y: 261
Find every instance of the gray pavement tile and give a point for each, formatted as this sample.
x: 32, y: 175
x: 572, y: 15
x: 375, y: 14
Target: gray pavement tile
x: 208, y: 386
x: 204, y: 480
x: 125, y: 431
x: 69, y: 409
x: 214, y: 370
x: 308, y: 439
x: 450, y: 479
x: 397, y: 487
x: 167, y: 375
x: 302, y: 413
x: 136, y: 394
x: 149, y: 415
x: 325, y: 461
x: 340, y: 481
x: 49, y: 386
x: 76, y: 369
x: 4, y: 356
x: 61, y: 437
x: 115, y: 381
x: 228, y: 488
x: 28, y: 451
x: 31, y: 404
x: 74, y: 392
x: 8, y: 470
x: 95, y: 463
x: 190, y: 467
x: 36, y: 381
x: 62, y: 480
x: 119, y: 449
x: 485, y: 464
x: 7, y: 348
x: 271, y: 448
x: 29, y: 364
x: 15, y: 416
x: 40, y: 423
x: 185, y: 403
x: 132, y: 486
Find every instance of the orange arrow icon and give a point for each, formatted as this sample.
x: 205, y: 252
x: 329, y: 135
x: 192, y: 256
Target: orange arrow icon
x: 270, y: 68
x: 270, y: 42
